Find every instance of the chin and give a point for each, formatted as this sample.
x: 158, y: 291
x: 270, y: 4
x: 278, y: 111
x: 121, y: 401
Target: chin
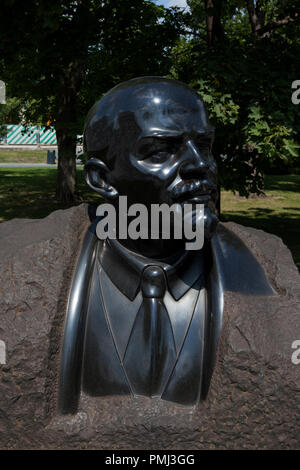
x: 210, y: 219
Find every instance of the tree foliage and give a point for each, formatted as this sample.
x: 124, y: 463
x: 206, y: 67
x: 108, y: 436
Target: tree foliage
x: 58, y: 57
x: 242, y: 56
x: 243, y: 67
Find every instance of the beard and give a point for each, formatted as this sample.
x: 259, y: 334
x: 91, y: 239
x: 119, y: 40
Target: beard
x: 195, y: 222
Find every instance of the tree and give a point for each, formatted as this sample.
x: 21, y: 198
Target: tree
x: 265, y: 17
x: 58, y: 57
x: 243, y: 68
x: 9, y: 112
x: 214, y: 27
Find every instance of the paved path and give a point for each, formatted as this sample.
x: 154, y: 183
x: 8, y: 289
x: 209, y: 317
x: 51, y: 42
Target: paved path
x: 26, y: 165
x: 29, y: 165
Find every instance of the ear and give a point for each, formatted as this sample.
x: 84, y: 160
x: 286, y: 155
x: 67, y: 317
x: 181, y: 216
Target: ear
x: 95, y: 175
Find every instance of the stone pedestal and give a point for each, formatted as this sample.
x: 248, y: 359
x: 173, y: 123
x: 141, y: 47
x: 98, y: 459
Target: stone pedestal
x: 254, y: 399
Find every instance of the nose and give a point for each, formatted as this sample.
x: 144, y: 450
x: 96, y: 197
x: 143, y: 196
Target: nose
x: 193, y: 161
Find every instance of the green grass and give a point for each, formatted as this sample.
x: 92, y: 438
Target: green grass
x: 24, y: 156
x: 30, y: 193
x: 278, y: 213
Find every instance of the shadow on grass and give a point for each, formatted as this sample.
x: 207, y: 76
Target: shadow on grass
x: 283, y: 183
x: 283, y: 224
x: 31, y: 193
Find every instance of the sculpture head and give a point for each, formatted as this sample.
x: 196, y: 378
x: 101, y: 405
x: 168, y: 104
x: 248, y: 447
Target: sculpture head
x: 149, y: 139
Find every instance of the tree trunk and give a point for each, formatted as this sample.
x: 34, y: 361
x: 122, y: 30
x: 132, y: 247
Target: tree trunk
x: 209, y: 23
x: 213, y: 21
x: 66, y: 132
x: 256, y: 16
x: 257, y: 19
x: 66, y: 175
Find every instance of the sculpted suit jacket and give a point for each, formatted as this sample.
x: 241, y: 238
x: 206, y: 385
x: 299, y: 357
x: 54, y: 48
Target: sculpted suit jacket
x: 102, y: 319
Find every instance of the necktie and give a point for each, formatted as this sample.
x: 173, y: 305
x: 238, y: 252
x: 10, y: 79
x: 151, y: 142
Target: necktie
x: 151, y: 354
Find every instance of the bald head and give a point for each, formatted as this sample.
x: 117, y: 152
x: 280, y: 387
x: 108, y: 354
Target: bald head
x: 149, y: 139
x: 138, y: 107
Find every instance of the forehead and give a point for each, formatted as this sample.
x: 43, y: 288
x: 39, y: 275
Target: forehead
x: 159, y: 107
x: 135, y: 110
x: 170, y: 110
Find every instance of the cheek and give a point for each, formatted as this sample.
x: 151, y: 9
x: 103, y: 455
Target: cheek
x: 160, y: 174
x: 130, y: 180
x: 142, y: 182
x: 213, y: 166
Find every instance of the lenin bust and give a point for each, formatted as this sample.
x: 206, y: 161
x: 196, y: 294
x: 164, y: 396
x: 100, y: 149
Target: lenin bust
x: 144, y: 315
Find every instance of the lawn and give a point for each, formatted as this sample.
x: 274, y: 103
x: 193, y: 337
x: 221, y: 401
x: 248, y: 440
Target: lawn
x: 24, y: 156
x: 30, y: 192
x: 278, y: 213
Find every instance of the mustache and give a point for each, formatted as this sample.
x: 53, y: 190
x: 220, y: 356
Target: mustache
x: 194, y: 187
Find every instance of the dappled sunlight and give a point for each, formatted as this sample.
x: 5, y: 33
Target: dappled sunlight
x: 278, y: 213
x: 30, y: 193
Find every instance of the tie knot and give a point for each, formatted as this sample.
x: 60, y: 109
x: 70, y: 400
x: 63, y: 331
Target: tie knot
x: 153, y: 282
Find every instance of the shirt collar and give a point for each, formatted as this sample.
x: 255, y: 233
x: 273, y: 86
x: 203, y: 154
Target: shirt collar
x: 124, y: 268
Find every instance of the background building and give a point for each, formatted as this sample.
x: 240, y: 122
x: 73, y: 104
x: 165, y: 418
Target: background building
x: 32, y: 135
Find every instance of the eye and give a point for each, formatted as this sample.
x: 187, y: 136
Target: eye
x: 158, y: 156
x: 158, y: 150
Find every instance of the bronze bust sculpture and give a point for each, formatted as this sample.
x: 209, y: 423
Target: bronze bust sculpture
x: 144, y: 316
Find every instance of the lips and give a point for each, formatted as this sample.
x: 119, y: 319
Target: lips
x: 194, y: 191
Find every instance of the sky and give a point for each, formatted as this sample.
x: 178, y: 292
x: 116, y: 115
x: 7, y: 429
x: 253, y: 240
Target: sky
x: 172, y: 3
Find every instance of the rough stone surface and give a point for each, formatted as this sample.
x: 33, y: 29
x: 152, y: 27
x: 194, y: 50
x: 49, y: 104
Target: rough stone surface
x: 254, y: 399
